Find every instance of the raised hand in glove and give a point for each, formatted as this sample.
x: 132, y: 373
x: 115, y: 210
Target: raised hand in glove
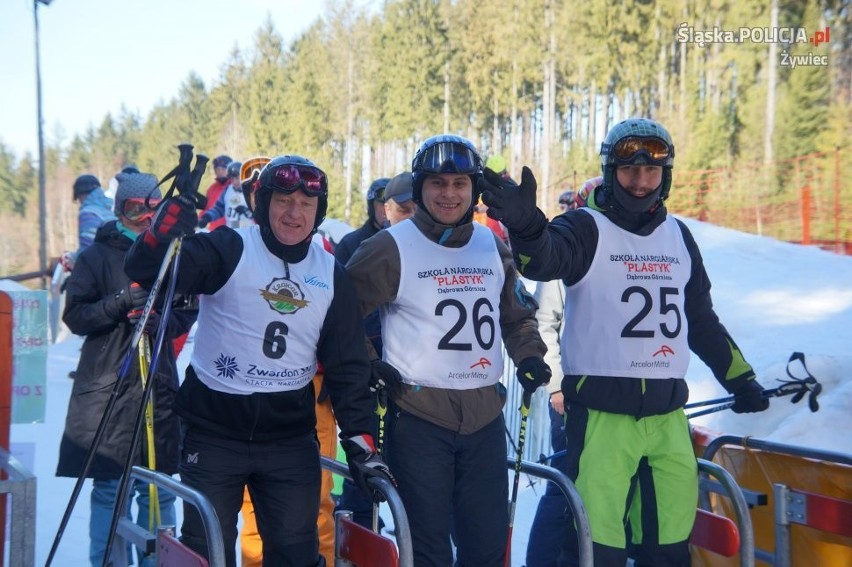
x: 382, y: 375
x: 151, y: 325
x: 512, y: 204
x: 175, y: 218
x: 128, y: 298
x: 204, y: 220
x: 532, y: 373
x: 365, y: 462
x: 749, y: 398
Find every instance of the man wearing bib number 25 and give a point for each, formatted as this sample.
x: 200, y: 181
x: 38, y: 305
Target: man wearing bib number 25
x: 271, y: 303
x: 449, y: 296
x: 637, y: 302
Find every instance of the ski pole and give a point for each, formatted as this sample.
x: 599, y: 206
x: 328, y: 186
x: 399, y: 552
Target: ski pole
x: 522, y: 437
x: 123, y: 371
x: 154, y: 518
x: 186, y: 183
x: 159, y: 347
x: 795, y: 387
x: 381, y: 411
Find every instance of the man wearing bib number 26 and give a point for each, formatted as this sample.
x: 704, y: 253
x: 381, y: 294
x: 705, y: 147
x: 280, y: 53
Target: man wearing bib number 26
x: 272, y: 302
x: 637, y: 302
x: 449, y: 297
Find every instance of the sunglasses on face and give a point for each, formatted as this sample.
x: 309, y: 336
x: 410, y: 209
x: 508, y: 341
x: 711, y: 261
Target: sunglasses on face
x: 628, y: 148
x: 137, y: 209
x: 448, y: 157
x: 289, y: 178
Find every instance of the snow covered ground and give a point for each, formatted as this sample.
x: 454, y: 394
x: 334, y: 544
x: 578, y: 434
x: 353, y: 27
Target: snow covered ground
x: 775, y: 298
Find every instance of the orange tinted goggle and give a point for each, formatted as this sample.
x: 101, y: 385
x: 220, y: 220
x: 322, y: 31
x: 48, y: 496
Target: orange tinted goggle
x: 627, y: 149
x: 139, y: 209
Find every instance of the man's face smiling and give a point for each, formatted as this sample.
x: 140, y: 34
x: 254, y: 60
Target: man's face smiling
x: 291, y: 217
x: 639, y: 180
x: 447, y: 196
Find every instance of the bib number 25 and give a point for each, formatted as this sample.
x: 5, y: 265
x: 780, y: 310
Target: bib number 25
x: 665, y: 306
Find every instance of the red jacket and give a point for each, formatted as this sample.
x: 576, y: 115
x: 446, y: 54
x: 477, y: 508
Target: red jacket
x: 213, y: 193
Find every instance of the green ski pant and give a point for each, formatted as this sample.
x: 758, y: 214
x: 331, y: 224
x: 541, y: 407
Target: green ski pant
x: 639, y: 471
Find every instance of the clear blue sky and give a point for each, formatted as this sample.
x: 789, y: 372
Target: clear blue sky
x: 99, y: 54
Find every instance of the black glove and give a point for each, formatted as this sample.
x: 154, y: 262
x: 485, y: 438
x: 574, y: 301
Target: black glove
x: 382, y: 375
x: 130, y: 297
x: 151, y: 325
x: 749, y: 398
x: 512, y: 204
x: 532, y: 373
x: 175, y: 218
x: 365, y: 462
x: 204, y: 220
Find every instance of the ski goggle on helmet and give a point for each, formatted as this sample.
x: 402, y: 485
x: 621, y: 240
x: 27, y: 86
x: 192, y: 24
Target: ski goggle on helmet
x: 139, y: 209
x: 289, y: 178
x: 447, y: 154
x: 630, y: 149
x: 251, y: 168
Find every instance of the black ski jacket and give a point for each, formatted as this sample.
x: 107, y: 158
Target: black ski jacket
x: 207, y: 262
x: 97, y: 276
x: 564, y: 249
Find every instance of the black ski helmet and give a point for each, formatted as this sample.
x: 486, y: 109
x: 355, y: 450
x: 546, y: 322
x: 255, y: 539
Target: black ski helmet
x: 85, y: 184
x: 637, y: 141
x: 267, y: 183
x: 375, y: 193
x: 446, y: 153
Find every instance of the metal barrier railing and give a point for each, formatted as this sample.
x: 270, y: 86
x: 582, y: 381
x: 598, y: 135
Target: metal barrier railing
x: 782, y: 553
x: 394, y: 502
x: 735, y: 494
x: 21, y: 485
x: 581, y: 518
x: 129, y: 532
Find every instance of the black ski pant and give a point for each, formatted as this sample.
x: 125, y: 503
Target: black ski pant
x: 449, y: 481
x: 283, y: 479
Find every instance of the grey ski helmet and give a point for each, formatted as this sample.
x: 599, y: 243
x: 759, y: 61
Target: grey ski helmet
x: 637, y: 141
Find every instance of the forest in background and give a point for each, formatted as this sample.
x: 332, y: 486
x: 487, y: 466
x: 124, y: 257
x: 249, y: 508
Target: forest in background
x: 538, y: 81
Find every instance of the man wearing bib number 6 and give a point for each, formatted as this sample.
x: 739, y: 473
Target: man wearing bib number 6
x: 272, y: 303
x: 448, y: 294
x: 637, y: 301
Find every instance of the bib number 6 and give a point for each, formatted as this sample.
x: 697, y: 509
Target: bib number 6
x: 274, y: 341
x: 630, y: 330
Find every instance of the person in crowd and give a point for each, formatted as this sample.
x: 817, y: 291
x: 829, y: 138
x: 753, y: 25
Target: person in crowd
x: 566, y: 201
x: 375, y: 221
x: 95, y: 209
x: 217, y: 188
x: 247, y: 403
x: 398, y: 199
x: 231, y: 204
x: 103, y: 305
x: 251, y: 545
x: 449, y: 297
x: 637, y: 300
